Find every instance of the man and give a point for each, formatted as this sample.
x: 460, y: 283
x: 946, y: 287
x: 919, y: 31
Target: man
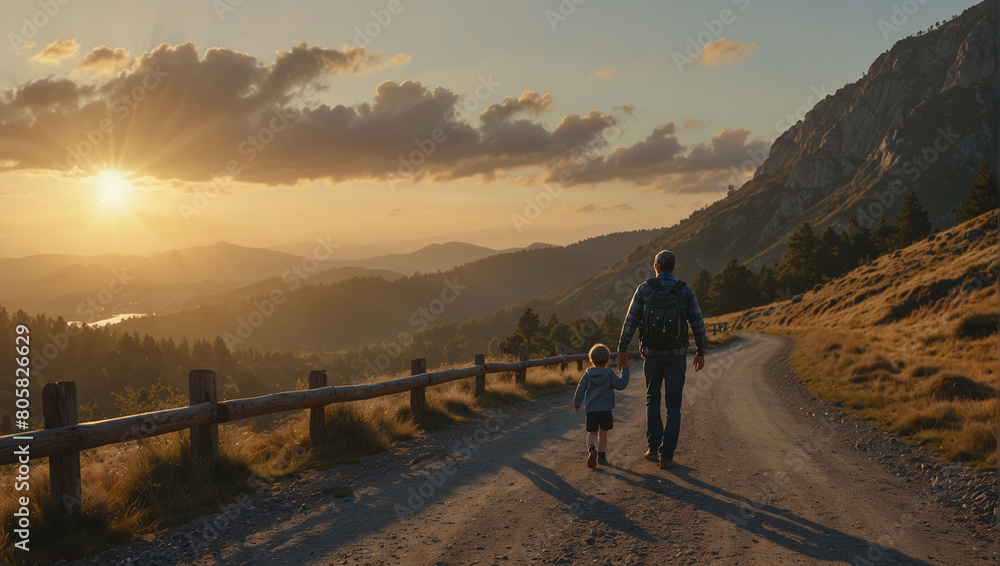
x: 664, y: 367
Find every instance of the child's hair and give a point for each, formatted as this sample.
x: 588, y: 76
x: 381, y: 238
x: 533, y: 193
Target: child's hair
x: 600, y: 355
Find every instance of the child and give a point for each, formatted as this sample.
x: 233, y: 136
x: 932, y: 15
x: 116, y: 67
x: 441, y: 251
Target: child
x: 597, y: 384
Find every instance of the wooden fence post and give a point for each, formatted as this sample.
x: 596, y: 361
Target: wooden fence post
x: 521, y: 375
x: 59, y: 409
x: 481, y: 378
x: 418, y: 395
x: 205, y: 438
x: 317, y: 415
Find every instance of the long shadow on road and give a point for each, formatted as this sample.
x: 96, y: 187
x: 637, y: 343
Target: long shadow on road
x: 487, y: 449
x: 776, y: 525
x: 576, y: 501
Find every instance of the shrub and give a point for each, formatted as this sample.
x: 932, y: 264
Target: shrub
x: 976, y: 326
x: 953, y: 386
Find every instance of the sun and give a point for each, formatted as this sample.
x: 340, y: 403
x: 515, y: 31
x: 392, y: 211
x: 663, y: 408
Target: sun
x: 112, y: 190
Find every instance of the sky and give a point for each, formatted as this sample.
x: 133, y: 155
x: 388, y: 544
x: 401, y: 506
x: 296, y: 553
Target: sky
x: 137, y: 127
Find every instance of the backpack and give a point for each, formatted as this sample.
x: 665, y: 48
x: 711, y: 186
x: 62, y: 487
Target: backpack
x: 664, y: 321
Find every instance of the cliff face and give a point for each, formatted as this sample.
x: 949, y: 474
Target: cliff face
x: 922, y: 118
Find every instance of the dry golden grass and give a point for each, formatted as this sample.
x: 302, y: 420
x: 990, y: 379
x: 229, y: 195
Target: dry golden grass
x: 144, y: 487
x: 909, y: 342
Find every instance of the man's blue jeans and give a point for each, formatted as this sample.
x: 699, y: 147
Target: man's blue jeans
x: 666, y: 372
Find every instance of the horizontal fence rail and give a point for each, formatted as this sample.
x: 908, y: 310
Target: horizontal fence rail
x: 62, y: 439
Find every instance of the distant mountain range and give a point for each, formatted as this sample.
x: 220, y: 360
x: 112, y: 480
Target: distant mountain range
x: 88, y: 288
x: 360, y: 311
x: 432, y: 258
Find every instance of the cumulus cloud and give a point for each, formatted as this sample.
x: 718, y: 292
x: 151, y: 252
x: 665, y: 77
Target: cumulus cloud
x: 725, y: 52
x: 178, y: 116
x: 604, y: 73
x: 103, y: 60
x: 693, y: 123
x: 56, y: 51
x: 530, y: 102
x: 661, y: 162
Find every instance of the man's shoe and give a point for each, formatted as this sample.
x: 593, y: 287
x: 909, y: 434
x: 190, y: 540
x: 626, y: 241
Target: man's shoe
x: 602, y: 459
x: 652, y: 456
x: 592, y: 458
x: 666, y: 463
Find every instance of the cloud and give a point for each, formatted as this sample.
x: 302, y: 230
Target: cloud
x: 530, y: 102
x: 725, y: 52
x: 183, y: 118
x: 589, y: 208
x: 22, y: 47
x: 56, y: 51
x: 604, y: 73
x: 103, y: 60
x: 693, y: 123
x: 662, y: 163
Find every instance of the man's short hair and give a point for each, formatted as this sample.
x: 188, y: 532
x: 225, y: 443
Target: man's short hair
x: 665, y: 261
x: 600, y: 355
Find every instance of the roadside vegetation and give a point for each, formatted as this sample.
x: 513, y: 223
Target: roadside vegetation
x: 908, y: 341
x: 141, y: 488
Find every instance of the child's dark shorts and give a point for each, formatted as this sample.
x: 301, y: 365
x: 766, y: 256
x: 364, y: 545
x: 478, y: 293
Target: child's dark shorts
x: 601, y: 419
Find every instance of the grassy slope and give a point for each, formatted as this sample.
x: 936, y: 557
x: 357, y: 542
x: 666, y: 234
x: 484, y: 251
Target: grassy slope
x: 908, y: 341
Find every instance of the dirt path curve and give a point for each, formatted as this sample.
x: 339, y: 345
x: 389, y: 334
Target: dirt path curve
x: 761, y: 479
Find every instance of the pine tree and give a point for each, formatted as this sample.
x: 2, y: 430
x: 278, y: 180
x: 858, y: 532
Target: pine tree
x: 802, y: 264
x: 733, y: 288
x: 830, y: 257
x: 885, y: 236
x: 610, y: 329
x: 983, y: 195
x: 857, y: 245
x: 701, y: 285
x: 913, y: 222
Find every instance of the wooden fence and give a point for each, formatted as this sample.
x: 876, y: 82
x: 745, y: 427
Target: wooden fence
x: 63, y: 438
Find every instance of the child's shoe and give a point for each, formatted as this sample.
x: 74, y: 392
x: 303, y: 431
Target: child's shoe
x: 602, y: 458
x: 592, y: 458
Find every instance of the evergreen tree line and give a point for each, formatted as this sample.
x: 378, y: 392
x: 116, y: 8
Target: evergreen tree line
x: 815, y: 258
x: 812, y: 259
x: 556, y: 338
x: 119, y: 373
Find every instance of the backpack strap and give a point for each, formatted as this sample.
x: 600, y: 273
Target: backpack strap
x: 655, y: 283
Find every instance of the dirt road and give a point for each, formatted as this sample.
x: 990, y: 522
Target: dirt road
x: 762, y: 478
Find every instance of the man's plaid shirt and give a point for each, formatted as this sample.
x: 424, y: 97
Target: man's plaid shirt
x: 638, y: 308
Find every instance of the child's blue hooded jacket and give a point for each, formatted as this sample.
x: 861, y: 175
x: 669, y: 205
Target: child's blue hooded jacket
x: 597, y: 384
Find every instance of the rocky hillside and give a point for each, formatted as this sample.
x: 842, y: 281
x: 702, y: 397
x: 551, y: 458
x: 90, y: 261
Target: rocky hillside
x: 922, y: 118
